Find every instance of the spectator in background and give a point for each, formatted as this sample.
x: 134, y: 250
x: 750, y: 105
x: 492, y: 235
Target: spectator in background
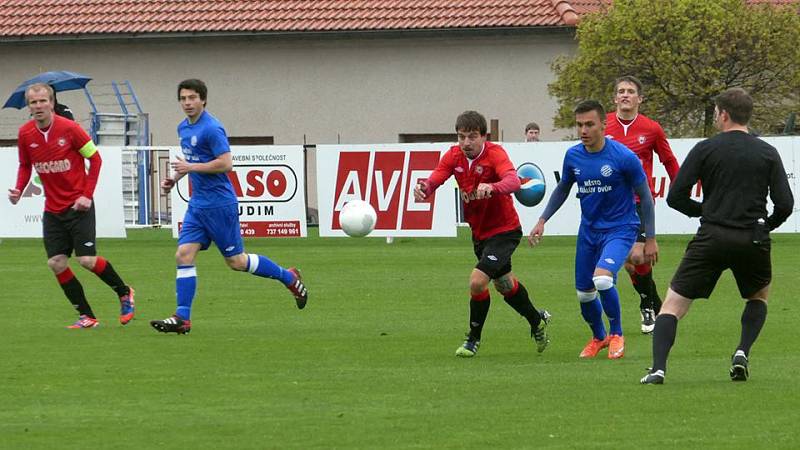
x: 61, y: 109
x: 532, y: 132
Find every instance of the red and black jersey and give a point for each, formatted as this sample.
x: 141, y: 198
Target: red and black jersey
x: 58, y: 156
x: 644, y: 136
x: 490, y: 216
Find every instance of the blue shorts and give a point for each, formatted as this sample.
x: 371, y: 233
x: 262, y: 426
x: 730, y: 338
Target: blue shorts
x: 605, y: 249
x: 221, y: 225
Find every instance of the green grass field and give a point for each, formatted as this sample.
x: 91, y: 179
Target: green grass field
x: 370, y: 362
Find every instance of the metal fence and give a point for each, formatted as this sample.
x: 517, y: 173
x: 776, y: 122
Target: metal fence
x: 145, y: 204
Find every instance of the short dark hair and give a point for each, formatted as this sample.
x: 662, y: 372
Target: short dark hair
x: 195, y: 85
x: 471, y: 121
x: 591, y: 105
x: 532, y: 126
x: 737, y: 103
x: 630, y: 79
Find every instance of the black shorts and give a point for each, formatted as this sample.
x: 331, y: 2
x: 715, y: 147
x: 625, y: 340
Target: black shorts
x: 494, y: 253
x: 640, y: 236
x: 68, y: 231
x: 715, y: 248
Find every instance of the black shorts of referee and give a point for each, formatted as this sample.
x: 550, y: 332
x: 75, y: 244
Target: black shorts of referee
x: 716, y: 248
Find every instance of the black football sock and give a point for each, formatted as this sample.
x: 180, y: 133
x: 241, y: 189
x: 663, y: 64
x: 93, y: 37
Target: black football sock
x: 653, y: 299
x: 642, y: 287
x: 663, y: 338
x: 106, y: 272
x: 74, y: 292
x: 478, y: 310
x: 753, y: 318
x: 521, y: 303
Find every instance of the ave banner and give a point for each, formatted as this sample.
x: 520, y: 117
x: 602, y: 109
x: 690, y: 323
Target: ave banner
x: 269, y: 182
x: 384, y: 176
x: 25, y: 218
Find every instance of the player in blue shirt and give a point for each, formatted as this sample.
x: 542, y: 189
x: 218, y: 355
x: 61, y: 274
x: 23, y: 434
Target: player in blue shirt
x: 213, y: 213
x: 608, y: 174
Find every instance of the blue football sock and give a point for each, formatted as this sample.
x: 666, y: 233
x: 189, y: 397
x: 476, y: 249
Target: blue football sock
x: 185, y: 287
x: 610, y: 299
x: 264, y: 267
x: 592, y: 313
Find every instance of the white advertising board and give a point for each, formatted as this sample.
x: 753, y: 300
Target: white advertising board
x: 25, y: 218
x: 549, y: 157
x: 269, y: 182
x: 384, y: 175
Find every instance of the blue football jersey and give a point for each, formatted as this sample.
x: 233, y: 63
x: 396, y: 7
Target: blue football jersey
x: 606, y: 180
x: 201, y: 142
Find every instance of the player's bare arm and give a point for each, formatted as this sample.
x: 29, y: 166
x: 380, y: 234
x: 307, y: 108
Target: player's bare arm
x: 14, y: 196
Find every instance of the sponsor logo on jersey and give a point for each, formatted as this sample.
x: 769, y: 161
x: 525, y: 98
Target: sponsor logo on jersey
x: 606, y: 170
x: 62, y: 165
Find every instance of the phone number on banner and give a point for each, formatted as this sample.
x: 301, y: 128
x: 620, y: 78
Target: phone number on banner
x: 284, y: 228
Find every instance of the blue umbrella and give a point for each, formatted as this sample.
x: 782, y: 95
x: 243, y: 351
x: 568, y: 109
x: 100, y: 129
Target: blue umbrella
x: 60, y: 80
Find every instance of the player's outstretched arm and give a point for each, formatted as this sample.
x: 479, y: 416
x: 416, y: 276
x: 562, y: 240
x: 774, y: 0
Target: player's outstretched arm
x: 557, y: 198
x: 536, y: 233
x: 421, y: 190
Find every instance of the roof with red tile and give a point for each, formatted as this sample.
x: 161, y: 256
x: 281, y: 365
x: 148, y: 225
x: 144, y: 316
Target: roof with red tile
x: 54, y: 18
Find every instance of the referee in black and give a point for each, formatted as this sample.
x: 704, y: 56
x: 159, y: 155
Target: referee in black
x: 737, y: 172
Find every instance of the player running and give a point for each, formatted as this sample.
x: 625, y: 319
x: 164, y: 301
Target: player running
x: 213, y: 213
x: 644, y: 136
x: 486, y: 178
x: 607, y: 174
x: 58, y: 148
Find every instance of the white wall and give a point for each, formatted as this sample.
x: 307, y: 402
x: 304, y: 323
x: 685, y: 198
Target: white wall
x: 354, y: 90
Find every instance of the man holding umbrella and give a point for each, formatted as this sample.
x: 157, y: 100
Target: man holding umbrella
x: 57, y: 148
x: 60, y: 80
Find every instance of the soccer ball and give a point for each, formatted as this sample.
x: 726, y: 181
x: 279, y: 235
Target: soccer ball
x: 357, y: 218
x: 533, y: 186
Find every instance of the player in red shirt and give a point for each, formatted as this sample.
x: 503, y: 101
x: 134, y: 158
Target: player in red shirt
x: 57, y: 148
x: 644, y: 136
x: 486, y: 179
